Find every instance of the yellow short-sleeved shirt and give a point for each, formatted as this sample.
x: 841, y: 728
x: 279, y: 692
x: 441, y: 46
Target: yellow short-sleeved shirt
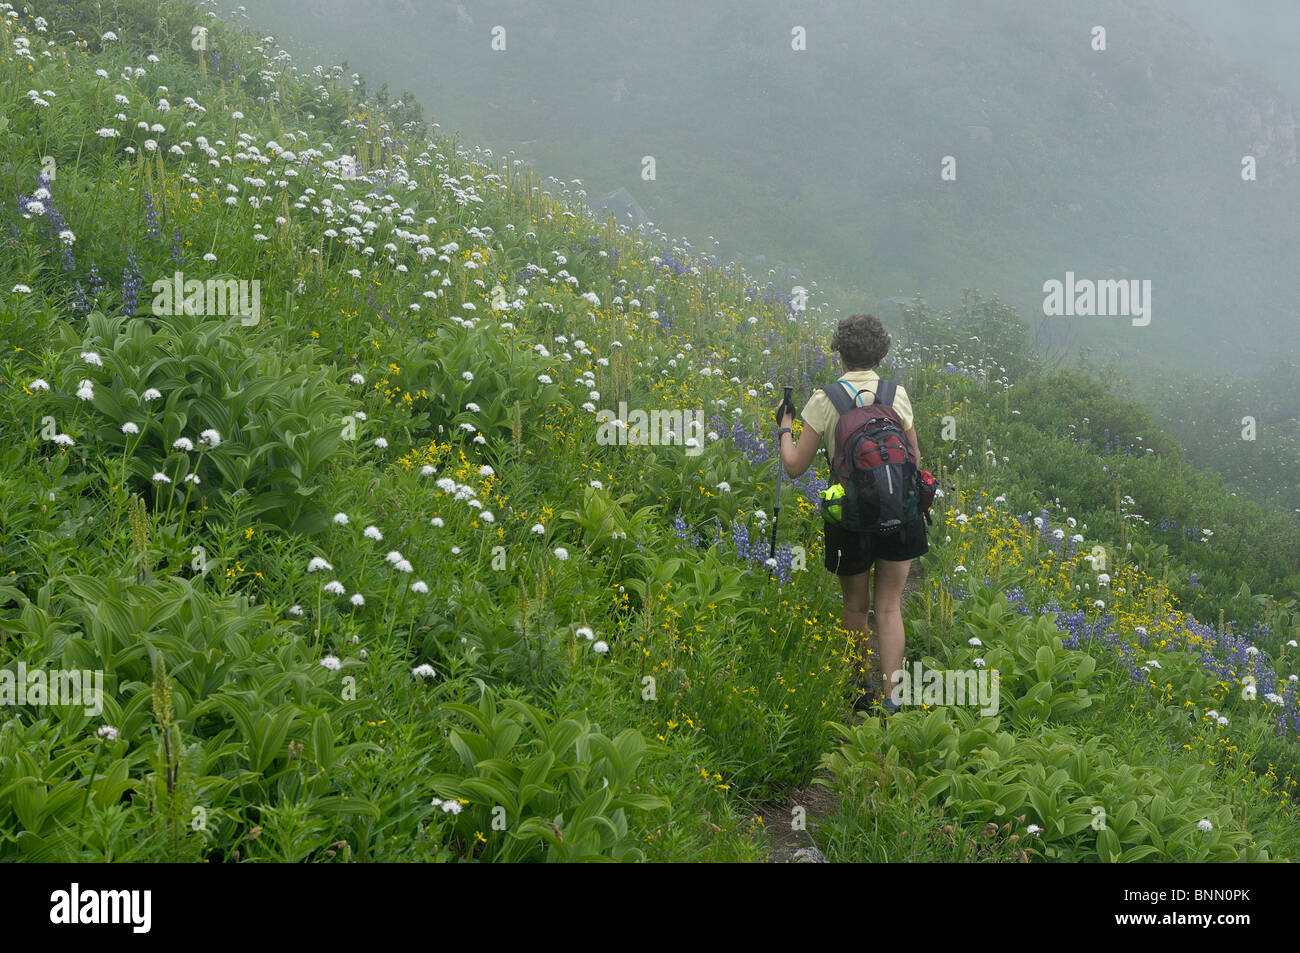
x: 819, y: 413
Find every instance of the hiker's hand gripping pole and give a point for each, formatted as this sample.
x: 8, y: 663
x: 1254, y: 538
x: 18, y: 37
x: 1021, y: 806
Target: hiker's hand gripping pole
x: 786, y: 407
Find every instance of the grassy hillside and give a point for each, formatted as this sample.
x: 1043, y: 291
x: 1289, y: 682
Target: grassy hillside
x: 365, y: 579
x: 1121, y: 163
x: 1117, y: 163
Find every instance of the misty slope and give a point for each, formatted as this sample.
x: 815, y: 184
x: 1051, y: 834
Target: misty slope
x: 1124, y: 163
x: 1257, y: 34
x: 365, y: 581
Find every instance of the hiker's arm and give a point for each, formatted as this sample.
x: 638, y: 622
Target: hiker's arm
x: 911, y: 442
x: 796, y: 457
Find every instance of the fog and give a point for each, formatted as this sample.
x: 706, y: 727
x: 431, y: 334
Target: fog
x: 889, y: 150
x: 1262, y: 35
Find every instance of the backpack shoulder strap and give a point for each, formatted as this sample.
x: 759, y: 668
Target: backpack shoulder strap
x: 885, y: 391
x: 842, y: 401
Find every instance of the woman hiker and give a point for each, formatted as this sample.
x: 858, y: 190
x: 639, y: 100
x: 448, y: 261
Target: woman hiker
x: 861, y: 343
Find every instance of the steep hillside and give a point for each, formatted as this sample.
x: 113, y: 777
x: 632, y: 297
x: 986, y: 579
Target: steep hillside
x: 313, y: 432
x: 1116, y: 163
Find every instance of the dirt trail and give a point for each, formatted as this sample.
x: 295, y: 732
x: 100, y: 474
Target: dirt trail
x: 794, y: 842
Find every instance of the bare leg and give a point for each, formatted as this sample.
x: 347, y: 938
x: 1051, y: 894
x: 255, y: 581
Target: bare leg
x: 857, y: 604
x: 890, y: 578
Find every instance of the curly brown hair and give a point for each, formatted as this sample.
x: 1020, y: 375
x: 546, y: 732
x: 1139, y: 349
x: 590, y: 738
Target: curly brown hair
x: 861, y: 342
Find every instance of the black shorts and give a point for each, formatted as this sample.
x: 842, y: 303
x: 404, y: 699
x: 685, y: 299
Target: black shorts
x: 848, y: 554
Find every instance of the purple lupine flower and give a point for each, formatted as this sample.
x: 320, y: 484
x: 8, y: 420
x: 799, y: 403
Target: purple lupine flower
x: 740, y: 536
x: 150, y: 218
x: 682, y: 530
x: 56, y: 225
x: 131, y: 282
x: 1225, y: 657
x: 784, y: 558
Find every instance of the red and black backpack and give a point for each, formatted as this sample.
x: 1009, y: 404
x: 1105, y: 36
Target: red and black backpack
x: 884, y: 490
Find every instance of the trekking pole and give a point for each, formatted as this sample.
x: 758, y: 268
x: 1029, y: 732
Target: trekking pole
x: 780, y: 470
